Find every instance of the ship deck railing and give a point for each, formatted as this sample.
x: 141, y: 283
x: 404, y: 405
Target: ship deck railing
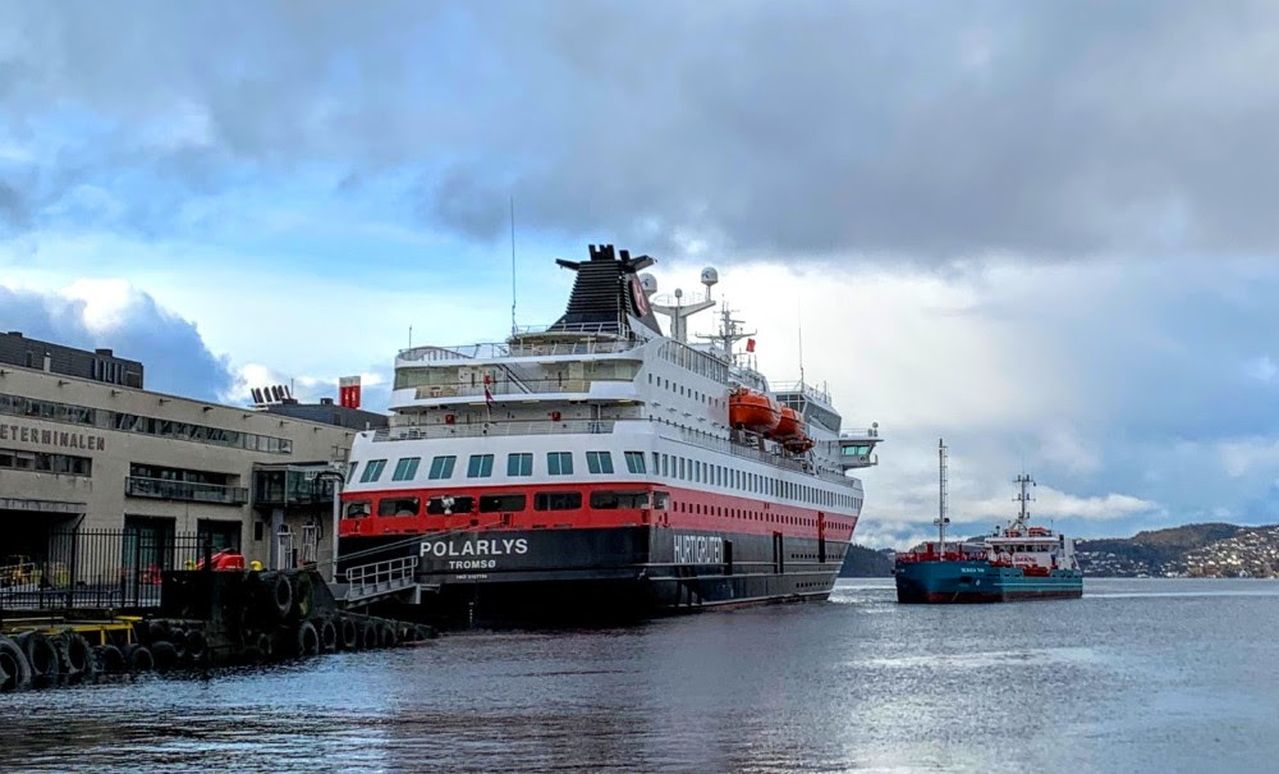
x: 506, y: 387
x: 482, y: 429
x: 542, y: 346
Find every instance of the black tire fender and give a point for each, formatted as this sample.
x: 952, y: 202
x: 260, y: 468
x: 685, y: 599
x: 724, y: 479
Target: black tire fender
x: 307, y: 640
x: 328, y: 635
x: 164, y: 654
x: 107, y: 659
x: 350, y: 634
x: 73, y: 650
x: 368, y: 636
x: 15, y: 671
x: 303, y: 595
x: 197, y: 646
x: 281, y: 595
x: 42, y: 656
x: 138, y: 658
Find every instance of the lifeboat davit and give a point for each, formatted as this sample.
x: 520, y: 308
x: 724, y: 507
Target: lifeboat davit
x: 753, y: 411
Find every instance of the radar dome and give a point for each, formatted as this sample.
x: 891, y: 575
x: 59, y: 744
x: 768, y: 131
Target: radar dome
x: 709, y: 276
x: 649, y: 283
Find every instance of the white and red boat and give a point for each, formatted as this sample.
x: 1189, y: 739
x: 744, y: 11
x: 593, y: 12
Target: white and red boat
x: 599, y: 467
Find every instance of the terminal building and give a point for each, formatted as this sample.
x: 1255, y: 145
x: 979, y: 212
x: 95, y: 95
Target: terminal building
x: 86, y: 449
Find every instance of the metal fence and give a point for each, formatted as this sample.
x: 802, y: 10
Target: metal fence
x: 98, y: 569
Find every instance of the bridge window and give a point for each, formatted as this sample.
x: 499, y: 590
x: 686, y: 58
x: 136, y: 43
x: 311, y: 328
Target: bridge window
x: 372, y: 471
x: 506, y: 502
x: 398, y: 506
x: 557, y: 501
x: 448, y: 505
x: 635, y: 462
x: 559, y: 463
x: 600, y: 462
x: 358, y: 510
x: 350, y: 472
x: 519, y: 464
x: 479, y: 466
x: 611, y: 500
x: 405, y: 469
x: 442, y: 466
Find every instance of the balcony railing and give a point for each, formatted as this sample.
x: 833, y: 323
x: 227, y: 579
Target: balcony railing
x: 190, y: 491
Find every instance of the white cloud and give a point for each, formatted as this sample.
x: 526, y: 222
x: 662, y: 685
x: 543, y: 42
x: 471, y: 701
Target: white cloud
x: 1051, y: 503
x: 1242, y: 456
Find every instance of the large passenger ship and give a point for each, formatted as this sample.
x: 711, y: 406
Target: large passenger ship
x: 599, y: 466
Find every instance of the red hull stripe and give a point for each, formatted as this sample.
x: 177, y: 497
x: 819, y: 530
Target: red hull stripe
x: 687, y: 509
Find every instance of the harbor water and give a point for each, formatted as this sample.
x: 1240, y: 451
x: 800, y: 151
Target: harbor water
x: 1139, y: 675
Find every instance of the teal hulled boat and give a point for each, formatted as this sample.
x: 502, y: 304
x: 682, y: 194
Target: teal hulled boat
x: 1017, y: 562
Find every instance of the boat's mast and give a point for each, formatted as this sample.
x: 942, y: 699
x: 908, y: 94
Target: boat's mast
x: 942, y: 519
x: 1024, y: 498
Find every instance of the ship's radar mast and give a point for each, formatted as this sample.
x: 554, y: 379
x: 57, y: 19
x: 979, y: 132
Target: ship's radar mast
x: 1023, y: 499
x: 678, y: 311
x: 730, y: 332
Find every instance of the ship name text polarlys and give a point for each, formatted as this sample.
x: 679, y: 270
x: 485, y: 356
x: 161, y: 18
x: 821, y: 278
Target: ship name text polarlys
x: 476, y: 547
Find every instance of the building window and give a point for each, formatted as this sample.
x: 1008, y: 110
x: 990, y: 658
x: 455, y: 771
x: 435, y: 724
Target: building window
x: 598, y: 462
x: 635, y: 462
x: 442, y: 466
x: 372, y: 471
x: 559, y: 463
x: 42, y: 462
x: 406, y: 469
x: 557, y: 501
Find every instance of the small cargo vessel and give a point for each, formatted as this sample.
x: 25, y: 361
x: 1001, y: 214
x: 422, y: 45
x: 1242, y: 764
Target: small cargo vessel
x: 1016, y: 562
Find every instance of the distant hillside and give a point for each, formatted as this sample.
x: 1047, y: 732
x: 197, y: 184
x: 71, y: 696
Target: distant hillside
x: 863, y: 562
x: 1209, y: 550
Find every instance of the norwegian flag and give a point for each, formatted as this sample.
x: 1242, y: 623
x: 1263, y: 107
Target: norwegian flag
x: 488, y: 394
x: 750, y: 345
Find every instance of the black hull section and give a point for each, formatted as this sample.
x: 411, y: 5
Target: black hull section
x: 590, y: 576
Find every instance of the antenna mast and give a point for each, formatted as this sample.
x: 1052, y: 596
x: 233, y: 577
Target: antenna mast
x: 799, y: 327
x: 512, y: 264
x: 1023, y: 498
x: 942, y: 518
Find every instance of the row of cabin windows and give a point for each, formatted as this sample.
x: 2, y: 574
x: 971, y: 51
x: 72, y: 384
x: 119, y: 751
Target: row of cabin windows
x: 688, y: 392
x: 518, y: 464
x: 675, y: 467
x: 447, y: 505
x: 678, y: 468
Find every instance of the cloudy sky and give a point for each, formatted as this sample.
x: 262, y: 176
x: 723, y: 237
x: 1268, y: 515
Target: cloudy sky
x: 1041, y: 230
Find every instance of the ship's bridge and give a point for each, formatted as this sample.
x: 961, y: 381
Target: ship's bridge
x: 857, y: 450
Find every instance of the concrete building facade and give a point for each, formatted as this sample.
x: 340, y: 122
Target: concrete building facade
x: 90, y: 453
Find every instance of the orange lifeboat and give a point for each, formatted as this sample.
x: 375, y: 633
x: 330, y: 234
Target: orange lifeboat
x: 753, y: 411
x: 790, y: 426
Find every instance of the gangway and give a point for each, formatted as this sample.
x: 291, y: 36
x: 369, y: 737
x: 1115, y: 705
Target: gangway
x: 376, y: 581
